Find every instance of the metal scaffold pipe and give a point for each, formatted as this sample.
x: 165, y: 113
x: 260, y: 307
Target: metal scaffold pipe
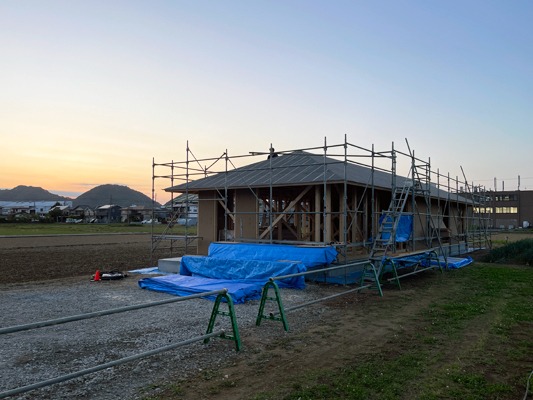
x: 107, y: 312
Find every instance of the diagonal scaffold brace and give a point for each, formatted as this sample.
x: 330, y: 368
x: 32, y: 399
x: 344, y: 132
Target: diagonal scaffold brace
x: 230, y: 313
x: 264, y: 298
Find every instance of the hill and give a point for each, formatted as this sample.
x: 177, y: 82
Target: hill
x: 113, y: 194
x: 29, y: 193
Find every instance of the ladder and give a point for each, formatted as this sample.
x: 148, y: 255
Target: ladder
x: 389, y: 224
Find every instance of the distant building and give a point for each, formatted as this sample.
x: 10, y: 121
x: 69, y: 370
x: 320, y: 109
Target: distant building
x: 136, y: 213
x: 90, y: 214
x: 79, y: 211
x: 510, y: 209
x: 185, y: 206
x: 40, y: 208
x: 108, y: 213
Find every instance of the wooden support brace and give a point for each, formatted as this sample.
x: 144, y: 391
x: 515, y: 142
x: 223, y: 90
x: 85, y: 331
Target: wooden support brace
x: 228, y: 211
x: 280, y: 216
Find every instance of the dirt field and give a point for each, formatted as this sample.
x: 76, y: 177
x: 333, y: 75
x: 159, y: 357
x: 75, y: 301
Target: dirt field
x: 450, y: 324
x: 33, y: 259
x: 512, y: 237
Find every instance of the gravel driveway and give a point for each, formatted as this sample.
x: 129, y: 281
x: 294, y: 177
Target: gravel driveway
x: 33, y: 356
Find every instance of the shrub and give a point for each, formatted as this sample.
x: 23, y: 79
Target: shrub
x: 520, y: 252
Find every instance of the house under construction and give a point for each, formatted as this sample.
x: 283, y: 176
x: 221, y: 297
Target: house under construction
x: 367, y: 203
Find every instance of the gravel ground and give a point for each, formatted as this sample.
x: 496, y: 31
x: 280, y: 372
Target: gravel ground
x: 33, y: 356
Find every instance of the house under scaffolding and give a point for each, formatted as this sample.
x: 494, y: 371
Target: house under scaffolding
x: 367, y: 203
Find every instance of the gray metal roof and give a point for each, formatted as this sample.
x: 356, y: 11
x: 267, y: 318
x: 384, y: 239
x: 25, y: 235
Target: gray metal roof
x: 289, y: 169
x: 296, y: 168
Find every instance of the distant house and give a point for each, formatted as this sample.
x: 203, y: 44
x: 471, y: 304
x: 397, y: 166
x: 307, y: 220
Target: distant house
x: 185, y: 206
x: 89, y: 214
x: 40, y: 208
x: 108, y: 213
x: 162, y: 214
x: 79, y: 211
x: 136, y: 213
x: 65, y: 211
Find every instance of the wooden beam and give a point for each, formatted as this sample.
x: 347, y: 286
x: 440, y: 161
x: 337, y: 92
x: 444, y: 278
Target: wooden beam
x: 318, y: 211
x: 341, y: 217
x: 328, y: 222
x: 280, y: 216
x: 290, y: 228
x: 224, y: 207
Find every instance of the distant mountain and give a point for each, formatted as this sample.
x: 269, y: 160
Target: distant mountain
x: 29, y: 193
x: 113, y: 194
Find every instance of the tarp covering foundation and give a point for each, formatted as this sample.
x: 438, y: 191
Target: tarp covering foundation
x: 307, y: 255
x: 250, y: 271
x: 242, y: 269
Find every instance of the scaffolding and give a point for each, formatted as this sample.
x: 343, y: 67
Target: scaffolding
x: 357, y: 216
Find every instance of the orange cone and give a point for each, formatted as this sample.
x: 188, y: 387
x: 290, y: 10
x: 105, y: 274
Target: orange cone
x: 97, y: 276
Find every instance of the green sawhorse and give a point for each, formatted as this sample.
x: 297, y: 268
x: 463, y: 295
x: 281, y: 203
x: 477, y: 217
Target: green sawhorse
x: 264, y: 298
x: 230, y: 313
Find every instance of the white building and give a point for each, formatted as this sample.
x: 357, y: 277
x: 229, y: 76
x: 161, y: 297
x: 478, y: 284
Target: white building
x: 40, y: 208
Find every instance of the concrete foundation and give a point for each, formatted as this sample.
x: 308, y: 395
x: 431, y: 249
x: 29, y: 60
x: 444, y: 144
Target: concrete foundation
x: 170, y: 265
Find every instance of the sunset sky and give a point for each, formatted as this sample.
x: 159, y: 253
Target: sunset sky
x: 91, y: 91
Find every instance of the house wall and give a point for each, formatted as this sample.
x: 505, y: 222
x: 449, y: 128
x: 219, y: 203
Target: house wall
x: 245, y: 201
x: 211, y: 216
x: 207, y: 222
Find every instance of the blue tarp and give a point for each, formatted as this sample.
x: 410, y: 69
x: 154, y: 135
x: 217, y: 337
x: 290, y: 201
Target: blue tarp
x: 404, y: 229
x: 242, y: 269
x: 453, y: 262
x: 307, y: 255
x: 251, y: 271
x: 186, y: 285
x: 148, y: 271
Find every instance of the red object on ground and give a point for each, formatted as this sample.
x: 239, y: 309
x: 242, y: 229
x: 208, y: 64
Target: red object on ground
x: 97, y: 276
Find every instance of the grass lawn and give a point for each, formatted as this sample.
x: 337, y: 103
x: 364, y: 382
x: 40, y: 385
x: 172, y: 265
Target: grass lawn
x: 466, y: 334
x: 497, y: 300
x: 73, y: 229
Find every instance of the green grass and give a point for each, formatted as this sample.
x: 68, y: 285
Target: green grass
x: 421, y: 370
x: 519, y: 252
x: 463, y: 345
x: 73, y: 229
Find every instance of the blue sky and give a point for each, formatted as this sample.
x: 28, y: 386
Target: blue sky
x: 91, y: 91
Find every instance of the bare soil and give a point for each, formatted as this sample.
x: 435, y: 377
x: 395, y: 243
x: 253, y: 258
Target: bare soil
x: 33, y: 259
x: 512, y: 237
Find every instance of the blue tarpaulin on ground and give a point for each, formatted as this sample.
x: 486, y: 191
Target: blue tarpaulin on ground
x: 186, y: 285
x: 307, y: 255
x: 453, y: 262
x: 242, y: 270
x: 404, y: 229
x: 148, y: 271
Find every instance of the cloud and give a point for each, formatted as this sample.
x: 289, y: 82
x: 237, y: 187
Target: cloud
x: 99, y: 184
x: 66, y: 193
